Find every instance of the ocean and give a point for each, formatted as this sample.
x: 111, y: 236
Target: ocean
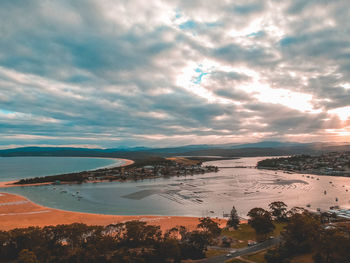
x: 15, y: 168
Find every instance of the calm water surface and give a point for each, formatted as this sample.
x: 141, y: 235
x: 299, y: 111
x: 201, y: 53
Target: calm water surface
x: 199, y: 195
x: 14, y: 168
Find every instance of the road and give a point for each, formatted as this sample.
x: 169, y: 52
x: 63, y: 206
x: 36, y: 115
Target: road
x: 243, y: 251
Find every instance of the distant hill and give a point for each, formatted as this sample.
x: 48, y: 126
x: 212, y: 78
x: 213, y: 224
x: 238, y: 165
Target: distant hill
x: 267, y: 144
x: 265, y: 148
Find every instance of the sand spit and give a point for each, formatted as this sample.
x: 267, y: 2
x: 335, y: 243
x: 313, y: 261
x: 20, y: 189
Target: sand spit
x: 16, y: 212
x: 12, y: 183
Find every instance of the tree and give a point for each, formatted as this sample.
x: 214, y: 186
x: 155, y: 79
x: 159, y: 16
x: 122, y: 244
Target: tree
x: 278, y: 210
x: 304, y: 233
x: 233, y: 221
x: 300, y: 236
x: 333, y: 246
x: 261, y: 221
x: 194, y: 244
x: 301, y: 233
x: 295, y: 210
x: 27, y: 256
x: 325, y: 217
x: 208, y: 225
x: 138, y: 232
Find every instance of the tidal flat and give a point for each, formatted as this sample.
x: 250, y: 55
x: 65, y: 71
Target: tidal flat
x: 211, y: 194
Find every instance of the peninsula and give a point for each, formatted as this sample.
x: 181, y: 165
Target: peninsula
x: 332, y: 163
x: 139, y: 169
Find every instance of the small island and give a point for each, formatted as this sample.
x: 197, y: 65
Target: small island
x: 333, y: 163
x: 152, y: 167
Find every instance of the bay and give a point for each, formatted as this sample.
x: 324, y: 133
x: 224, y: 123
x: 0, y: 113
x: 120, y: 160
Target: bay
x: 211, y: 194
x: 15, y: 168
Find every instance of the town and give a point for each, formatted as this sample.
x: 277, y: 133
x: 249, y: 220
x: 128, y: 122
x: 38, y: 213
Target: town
x: 333, y: 163
x: 141, y: 169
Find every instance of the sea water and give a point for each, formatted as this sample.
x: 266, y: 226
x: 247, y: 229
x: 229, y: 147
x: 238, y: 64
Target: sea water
x: 211, y: 194
x: 15, y: 168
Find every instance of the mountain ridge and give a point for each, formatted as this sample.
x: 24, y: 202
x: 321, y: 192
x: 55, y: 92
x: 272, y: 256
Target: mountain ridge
x: 226, y: 150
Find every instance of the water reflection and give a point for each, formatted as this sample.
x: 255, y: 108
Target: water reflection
x: 210, y: 194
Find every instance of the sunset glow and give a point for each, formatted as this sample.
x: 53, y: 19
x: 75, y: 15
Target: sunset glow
x: 166, y: 73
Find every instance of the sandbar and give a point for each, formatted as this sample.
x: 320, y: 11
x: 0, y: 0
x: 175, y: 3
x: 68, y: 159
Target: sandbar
x: 6, y: 184
x: 18, y: 212
x: 127, y: 162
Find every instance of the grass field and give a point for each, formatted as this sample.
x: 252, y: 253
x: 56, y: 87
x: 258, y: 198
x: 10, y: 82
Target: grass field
x: 302, y: 259
x: 256, y: 257
x: 214, y: 252
x: 245, y: 232
x: 235, y: 260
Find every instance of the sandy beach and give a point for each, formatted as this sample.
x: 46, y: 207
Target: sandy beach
x: 6, y: 184
x: 17, y: 212
x: 127, y: 162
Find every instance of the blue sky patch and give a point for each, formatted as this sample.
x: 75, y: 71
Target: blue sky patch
x: 256, y: 34
x: 6, y: 111
x: 198, y: 79
x: 190, y: 24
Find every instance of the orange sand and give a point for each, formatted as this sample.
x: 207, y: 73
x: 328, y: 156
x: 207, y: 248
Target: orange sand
x: 16, y: 212
x: 11, y: 184
x: 127, y: 162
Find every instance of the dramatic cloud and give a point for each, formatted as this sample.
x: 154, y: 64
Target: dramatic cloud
x: 157, y: 73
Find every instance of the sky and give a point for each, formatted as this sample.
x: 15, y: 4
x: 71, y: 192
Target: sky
x: 103, y: 73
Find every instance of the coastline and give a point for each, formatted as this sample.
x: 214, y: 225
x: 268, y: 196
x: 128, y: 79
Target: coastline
x: 127, y: 162
x: 7, y: 184
x: 17, y: 211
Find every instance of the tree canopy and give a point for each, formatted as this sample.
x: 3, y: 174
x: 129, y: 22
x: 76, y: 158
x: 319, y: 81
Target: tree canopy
x: 278, y: 210
x: 261, y: 221
x: 132, y: 241
x: 233, y: 220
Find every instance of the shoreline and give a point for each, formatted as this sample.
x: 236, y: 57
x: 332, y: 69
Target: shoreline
x: 16, y: 211
x: 306, y: 172
x: 127, y: 162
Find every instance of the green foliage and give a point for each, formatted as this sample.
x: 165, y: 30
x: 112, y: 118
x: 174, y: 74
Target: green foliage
x: 301, y: 232
x: 258, y: 257
x: 194, y: 244
x: 275, y: 162
x: 244, y: 233
x: 304, y: 234
x: 233, y: 220
x: 72, y: 177
x: 278, y: 210
x: 209, y: 226
x: 333, y: 246
x: 26, y: 256
x: 132, y: 241
x: 261, y: 221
